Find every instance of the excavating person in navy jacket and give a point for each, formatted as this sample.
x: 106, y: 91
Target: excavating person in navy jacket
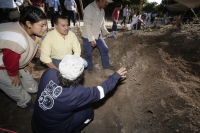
x: 63, y: 104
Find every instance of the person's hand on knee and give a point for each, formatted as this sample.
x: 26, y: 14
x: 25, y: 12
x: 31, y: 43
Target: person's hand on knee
x: 15, y: 80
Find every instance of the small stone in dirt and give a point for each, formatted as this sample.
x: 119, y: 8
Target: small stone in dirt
x: 185, y: 90
x: 162, y: 102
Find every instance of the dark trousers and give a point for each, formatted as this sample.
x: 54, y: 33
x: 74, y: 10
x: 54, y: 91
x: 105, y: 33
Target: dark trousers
x: 130, y: 19
x: 71, y: 16
x: 53, y: 14
x: 152, y: 19
x: 147, y: 19
x: 103, y: 48
x: 114, y: 26
x: 81, y: 119
x: 138, y: 26
x: 124, y: 20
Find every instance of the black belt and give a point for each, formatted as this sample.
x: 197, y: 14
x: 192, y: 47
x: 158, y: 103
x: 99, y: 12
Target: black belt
x: 8, y: 9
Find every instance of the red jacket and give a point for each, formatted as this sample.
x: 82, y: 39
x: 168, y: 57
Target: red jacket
x: 115, y: 13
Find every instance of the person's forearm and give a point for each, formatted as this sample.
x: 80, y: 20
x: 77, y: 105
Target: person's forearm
x: 51, y: 65
x: 30, y: 3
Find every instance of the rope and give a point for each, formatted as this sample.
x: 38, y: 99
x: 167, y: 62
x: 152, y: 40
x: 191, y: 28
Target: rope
x: 2, y: 129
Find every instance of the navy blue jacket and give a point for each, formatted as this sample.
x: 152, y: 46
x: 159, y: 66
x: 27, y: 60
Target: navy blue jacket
x: 55, y: 105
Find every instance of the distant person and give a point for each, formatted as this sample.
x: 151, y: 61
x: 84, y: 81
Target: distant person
x: 25, y: 3
x: 94, y: 24
x: 148, y: 16
x: 59, y: 42
x: 9, y: 10
x: 165, y: 18
x: 153, y: 16
x: 138, y: 22
x: 39, y: 3
x: 131, y: 11
x: 71, y: 7
x: 63, y: 105
x: 18, y: 46
x: 125, y: 14
x: 54, y: 7
x: 115, y: 17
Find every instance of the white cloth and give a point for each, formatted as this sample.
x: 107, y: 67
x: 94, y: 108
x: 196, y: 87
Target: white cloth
x: 94, y: 22
x: 54, y: 4
x: 71, y: 5
x: 71, y: 66
x: 10, y: 3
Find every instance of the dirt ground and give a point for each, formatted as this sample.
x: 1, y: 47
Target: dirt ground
x: 161, y: 93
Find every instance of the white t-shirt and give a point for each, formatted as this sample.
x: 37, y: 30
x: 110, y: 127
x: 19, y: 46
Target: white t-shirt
x: 135, y: 20
x: 71, y: 4
x: 54, y: 4
x: 125, y: 11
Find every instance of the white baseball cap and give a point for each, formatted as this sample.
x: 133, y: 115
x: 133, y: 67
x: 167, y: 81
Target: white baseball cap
x: 71, y: 67
x: 109, y: 1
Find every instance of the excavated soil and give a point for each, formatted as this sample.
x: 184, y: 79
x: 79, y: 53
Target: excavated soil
x: 161, y: 93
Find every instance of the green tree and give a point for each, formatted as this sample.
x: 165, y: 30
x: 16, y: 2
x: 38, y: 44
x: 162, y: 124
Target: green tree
x: 150, y: 7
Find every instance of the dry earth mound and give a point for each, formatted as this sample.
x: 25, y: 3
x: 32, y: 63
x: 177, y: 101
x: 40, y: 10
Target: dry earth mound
x: 161, y: 93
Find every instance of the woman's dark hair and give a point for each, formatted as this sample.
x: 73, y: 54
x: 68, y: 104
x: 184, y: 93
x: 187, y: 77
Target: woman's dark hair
x: 56, y: 17
x: 67, y: 83
x: 32, y: 14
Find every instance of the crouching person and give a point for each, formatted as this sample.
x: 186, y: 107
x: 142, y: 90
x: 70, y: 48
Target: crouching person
x: 62, y: 103
x: 18, y: 46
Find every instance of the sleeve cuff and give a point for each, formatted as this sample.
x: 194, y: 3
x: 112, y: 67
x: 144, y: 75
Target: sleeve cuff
x: 13, y: 73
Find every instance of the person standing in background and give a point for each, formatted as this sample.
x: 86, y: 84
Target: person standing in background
x: 39, y: 3
x: 115, y: 17
x: 148, y: 16
x: 9, y: 10
x: 125, y: 13
x: 25, y: 3
x: 71, y: 10
x: 54, y: 7
x: 131, y: 15
x: 153, y: 16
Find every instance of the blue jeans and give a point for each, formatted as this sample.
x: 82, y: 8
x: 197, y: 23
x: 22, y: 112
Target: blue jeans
x: 103, y: 48
x: 56, y: 62
x: 71, y: 16
x: 114, y: 26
